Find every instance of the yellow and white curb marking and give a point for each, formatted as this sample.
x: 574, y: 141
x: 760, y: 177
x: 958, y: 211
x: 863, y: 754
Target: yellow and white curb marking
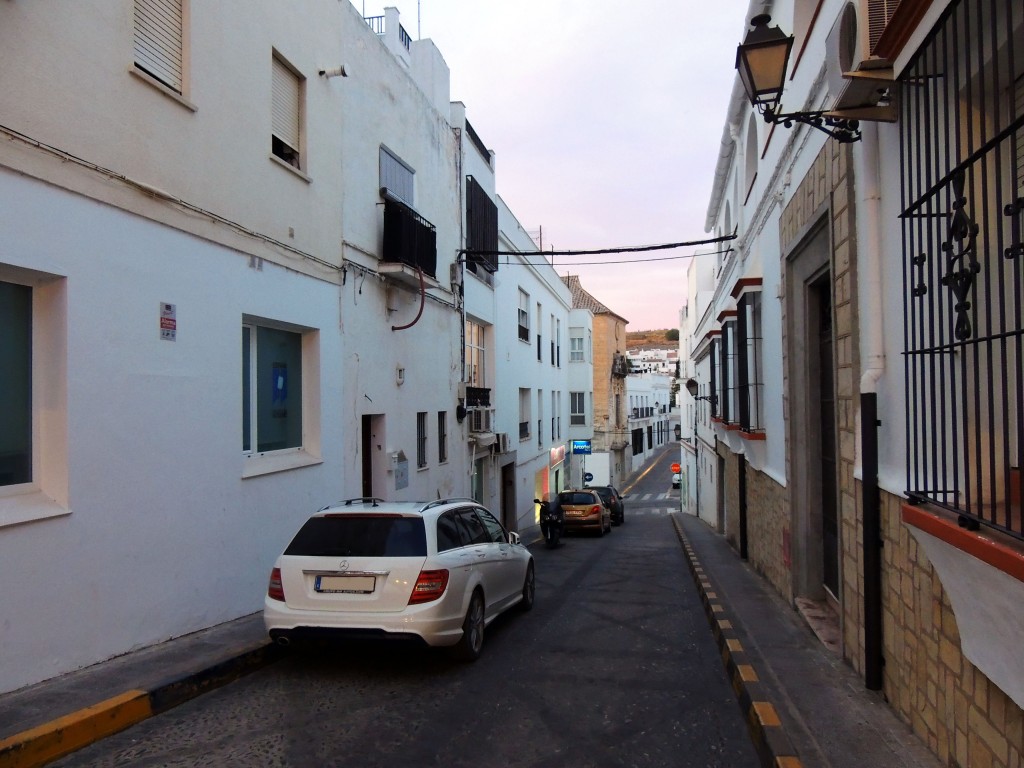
x: 772, y: 745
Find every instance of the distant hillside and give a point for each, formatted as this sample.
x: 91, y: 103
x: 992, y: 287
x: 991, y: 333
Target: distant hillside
x: 649, y: 340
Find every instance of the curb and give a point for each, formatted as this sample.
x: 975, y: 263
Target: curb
x: 64, y: 735
x: 770, y: 740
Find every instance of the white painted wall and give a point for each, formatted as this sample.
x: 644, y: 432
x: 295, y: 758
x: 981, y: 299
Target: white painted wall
x: 148, y: 521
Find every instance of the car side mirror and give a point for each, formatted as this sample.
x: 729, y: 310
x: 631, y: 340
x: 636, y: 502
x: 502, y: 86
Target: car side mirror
x: 513, y: 537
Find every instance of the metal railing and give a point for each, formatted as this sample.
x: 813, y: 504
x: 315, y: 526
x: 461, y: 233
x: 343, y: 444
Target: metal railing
x: 962, y: 148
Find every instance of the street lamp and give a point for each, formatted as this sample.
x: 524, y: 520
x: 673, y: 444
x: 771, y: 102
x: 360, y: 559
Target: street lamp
x: 761, y: 60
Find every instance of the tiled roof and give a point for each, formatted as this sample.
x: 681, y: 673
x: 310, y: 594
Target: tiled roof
x: 583, y: 300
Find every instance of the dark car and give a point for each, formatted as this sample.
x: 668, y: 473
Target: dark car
x: 613, y: 500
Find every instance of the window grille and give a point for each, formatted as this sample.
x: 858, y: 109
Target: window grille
x: 962, y: 130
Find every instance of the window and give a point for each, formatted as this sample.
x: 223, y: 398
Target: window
x: 963, y: 238
x: 540, y: 418
x: 554, y: 416
x: 577, y: 409
x: 159, y: 41
x: 396, y: 177
x: 748, y: 357
x: 637, y: 440
x: 16, y: 384
x: 524, y: 316
x: 442, y: 437
x: 476, y: 354
x: 286, y: 113
x: 481, y: 231
x: 728, y: 353
x: 558, y: 344
x: 271, y: 389
x: 421, y: 439
x: 33, y: 385
x: 540, y: 349
x: 576, y: 349
x: 524, y: 414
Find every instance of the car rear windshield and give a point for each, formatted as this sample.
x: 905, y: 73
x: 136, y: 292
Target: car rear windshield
x: 356, y: 536
x: 575, y: 498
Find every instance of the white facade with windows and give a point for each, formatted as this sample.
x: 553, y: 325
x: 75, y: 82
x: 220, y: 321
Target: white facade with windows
x: 581, y: 389
x: 215, y: 330
x: 858, y: 390
x: 647, y: 415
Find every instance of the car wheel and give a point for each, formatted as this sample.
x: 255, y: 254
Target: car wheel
x: 529, y: 590
x: 472, y: 642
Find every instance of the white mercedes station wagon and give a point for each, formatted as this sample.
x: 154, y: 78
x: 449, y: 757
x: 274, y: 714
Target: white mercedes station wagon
x: 438, y: 572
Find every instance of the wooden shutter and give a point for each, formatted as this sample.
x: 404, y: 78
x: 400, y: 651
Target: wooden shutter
x: 158, y: 40
x: 285, y: 104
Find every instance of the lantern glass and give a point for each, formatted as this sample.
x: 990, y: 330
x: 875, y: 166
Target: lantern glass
x: 762, y: 60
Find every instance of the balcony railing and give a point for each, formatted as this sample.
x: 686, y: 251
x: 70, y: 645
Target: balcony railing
x: 409, y: 238
x: 377, y: 25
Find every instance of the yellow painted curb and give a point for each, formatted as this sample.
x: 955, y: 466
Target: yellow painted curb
x: 788, y: 762
x: 765, y: 713
x: 40, y: 745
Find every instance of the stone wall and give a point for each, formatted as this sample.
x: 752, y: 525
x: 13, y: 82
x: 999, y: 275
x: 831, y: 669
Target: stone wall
x: 768, y: 531
x: 966, y: 720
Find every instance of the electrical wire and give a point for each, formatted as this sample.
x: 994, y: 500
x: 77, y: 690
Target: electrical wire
x: 545, y: 263
x: 600, y: 251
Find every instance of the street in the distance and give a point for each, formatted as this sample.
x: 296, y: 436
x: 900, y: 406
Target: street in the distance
x: 614, y: 666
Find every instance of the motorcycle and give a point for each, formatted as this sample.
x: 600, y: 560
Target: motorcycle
x: 551, y: 523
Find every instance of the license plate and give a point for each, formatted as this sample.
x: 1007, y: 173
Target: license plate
x: 358, y: 585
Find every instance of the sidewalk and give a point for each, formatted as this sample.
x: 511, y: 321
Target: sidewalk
x: 805, y: 706
x: 53, y: 718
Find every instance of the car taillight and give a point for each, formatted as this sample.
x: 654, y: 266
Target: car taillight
x: 275, y: 590
x: 429, y: 586
x: 596, y: 509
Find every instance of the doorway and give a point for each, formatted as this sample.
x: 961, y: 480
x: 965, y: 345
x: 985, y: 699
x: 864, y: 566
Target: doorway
x: 811, y: 364
x: 823, y: 387
x: 372, y: 455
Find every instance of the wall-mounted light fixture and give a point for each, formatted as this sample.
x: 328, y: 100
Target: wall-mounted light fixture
x: 339, y: 71
x: 693, y: 387
x: 762, y: 59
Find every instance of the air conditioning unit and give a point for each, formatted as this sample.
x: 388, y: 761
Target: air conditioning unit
x: 861, y: 82
x: 501, y: 445
x: 480, y: 420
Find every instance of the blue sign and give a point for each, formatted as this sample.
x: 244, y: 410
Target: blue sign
x: 587, y: 477
x: 581, y: 446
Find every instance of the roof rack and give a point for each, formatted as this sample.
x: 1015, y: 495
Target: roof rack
x: 357, y: 500
x: 439, y: 502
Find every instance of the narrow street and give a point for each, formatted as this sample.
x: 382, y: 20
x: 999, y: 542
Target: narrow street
x: 615, y: 666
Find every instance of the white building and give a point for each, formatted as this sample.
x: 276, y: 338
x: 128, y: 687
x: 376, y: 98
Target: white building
x: 228, y: 268
x: 581, y: 393
x: 861, y: 353
x: 647, y: 406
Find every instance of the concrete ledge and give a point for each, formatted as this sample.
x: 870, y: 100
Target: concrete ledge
x: 64, y: 735
x: 770, y: 741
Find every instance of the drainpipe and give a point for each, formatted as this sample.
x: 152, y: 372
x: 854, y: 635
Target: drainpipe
x: 870, y: 308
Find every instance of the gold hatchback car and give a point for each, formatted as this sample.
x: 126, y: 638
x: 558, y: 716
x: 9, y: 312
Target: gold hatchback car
x: 583, y: 510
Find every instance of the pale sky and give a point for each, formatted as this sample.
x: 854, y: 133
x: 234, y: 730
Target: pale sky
x: 606, y: 120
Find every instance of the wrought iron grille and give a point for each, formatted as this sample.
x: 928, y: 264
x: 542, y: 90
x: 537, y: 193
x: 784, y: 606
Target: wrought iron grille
x: 962, y: 150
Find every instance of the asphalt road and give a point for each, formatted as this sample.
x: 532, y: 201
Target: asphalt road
x: 615, y: 666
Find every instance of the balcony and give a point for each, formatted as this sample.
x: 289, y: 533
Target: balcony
x: 409, y: 239
x: 620, y: 366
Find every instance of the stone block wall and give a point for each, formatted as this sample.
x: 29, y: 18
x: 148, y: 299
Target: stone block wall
x: 768, y: 531
x: 966, y: 720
